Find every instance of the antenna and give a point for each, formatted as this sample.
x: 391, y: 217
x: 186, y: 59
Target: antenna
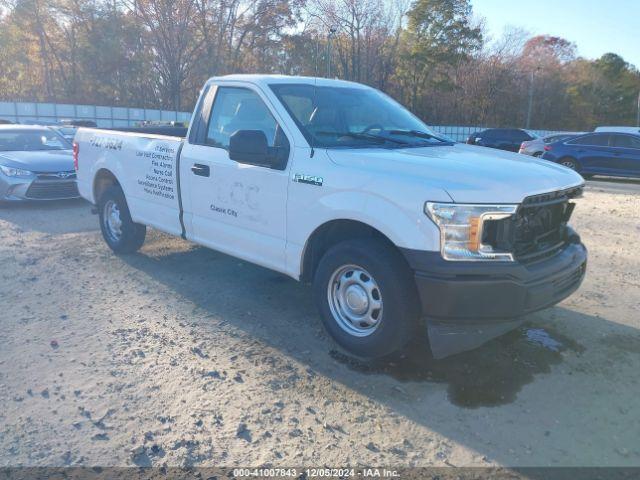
x: 332, y: 32
x: 313, y: 103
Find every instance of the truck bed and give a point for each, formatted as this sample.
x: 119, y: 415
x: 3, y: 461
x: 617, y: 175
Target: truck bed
x: 145, y: 166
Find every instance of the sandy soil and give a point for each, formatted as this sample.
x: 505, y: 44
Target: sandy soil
x: 183, y: 356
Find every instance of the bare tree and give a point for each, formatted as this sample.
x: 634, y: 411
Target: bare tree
x: 170, y: 27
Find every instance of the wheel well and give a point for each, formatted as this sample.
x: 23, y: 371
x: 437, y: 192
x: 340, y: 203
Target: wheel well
x: 328, y: 235
x: 104, y: 179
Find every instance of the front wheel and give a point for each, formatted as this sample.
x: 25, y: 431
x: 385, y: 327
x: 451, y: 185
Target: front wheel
x: 367, y: 297
x: 119, y: 231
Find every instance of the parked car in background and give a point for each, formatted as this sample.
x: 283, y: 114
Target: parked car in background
x: 598, y: 153
x: 535, y: 147
x: 501, y: 138
x: 67, y: 132
x: 36, y: 163
x: 79, y: 123
x: 634, y: 130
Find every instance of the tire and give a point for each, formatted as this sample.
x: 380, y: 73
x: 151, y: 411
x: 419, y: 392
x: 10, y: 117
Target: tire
x: 537, y: 154
x: 574, y: 165
x: 569, y: 163
x: 371, y: 266
x: 129, y: 237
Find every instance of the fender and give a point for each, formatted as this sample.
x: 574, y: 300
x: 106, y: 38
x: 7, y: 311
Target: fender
x: 418, y: 231
x: 103, y: 165
x: 101, y: 161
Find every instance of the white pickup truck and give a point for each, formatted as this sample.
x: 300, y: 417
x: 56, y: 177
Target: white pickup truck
x: 334, y: 183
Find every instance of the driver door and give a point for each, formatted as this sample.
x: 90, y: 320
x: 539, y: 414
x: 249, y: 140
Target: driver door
x: 236, y: 208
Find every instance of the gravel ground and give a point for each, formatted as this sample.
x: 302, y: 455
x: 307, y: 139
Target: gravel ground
x: 183, y: 356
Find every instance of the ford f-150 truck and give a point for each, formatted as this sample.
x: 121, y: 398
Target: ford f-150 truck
x: 334, y: 183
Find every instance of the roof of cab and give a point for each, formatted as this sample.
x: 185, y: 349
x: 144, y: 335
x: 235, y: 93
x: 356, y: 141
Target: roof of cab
x: 265, y: 80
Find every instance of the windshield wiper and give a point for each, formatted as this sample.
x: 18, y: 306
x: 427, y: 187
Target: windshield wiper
x: 364, y: 136
x: 417, y: 133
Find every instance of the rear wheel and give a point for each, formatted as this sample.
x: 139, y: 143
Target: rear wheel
x: 119, y: 231
x: 573, y: 165
x: 367, y: 297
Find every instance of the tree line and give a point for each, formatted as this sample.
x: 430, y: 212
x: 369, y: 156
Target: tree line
x: 434, y: 56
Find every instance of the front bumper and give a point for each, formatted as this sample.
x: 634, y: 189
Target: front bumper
x: 468, y: 303
x: 21, y: 189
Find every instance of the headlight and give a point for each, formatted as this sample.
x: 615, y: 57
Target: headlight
x: 15, y: 172
x: 461, y: 229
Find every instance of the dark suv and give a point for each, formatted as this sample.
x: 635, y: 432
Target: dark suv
x: 502, y: 138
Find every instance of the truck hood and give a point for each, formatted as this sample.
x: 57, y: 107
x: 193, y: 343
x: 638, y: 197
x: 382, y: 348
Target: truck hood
x: 469, y: 174
x: 39, y: 161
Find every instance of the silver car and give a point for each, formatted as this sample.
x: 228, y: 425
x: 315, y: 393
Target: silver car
x: 535, y: 147
x: 36, y: 163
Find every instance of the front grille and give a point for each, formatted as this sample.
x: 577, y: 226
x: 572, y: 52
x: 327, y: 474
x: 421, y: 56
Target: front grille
x: 57, y: 176
x: 52, y: 190
x: 539, y: 228
x: 537, y: 231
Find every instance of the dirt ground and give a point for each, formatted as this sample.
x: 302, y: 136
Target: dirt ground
x: 183, y: 356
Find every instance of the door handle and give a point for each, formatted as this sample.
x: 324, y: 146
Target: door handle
x: 200, y: 170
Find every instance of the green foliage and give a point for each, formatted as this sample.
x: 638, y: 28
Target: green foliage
x: 438, y: 35
x: 603, y: 92
x: 431, y: 57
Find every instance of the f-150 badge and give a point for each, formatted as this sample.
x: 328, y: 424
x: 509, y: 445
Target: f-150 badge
x: 309, y: 179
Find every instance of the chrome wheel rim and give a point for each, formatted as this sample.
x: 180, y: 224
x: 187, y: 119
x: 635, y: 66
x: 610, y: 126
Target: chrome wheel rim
x: 355, y: 300
x: 569, y: 164
x: 112, y: 220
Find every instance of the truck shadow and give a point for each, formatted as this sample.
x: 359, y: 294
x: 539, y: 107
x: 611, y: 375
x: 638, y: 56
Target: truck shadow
x: 279, y: 312
x: 488, y: 376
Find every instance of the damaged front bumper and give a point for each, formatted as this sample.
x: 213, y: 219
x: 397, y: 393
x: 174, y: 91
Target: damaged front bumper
x: 469, y: 303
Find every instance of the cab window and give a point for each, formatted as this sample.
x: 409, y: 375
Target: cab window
x: 237, y: 109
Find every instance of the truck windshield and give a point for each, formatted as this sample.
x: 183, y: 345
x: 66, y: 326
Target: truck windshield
x: 352, y: 117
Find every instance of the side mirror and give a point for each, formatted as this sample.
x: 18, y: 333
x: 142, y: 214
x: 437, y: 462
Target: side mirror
x: 249, y: 146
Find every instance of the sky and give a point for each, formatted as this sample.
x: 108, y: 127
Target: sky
x: 595, y: 26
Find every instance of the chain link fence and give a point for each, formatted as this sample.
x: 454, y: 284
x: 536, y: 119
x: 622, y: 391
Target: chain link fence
x: 103, y: 116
